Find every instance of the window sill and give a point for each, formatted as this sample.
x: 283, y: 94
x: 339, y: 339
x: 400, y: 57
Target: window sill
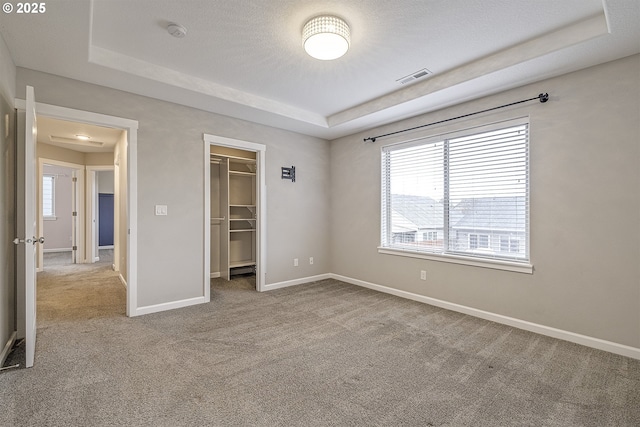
x: 49, y: 218
x: 457, y: 259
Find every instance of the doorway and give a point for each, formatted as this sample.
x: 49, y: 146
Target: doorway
x: 124, y: 163
x: 27, y: 224
x: 71, y: 156
x: 58, y: 201
x: 77, y: 213
x: 101, y: 214
x: 240, y: 221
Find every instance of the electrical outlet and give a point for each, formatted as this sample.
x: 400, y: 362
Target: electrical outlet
x: 423, y: 275
x: 310, y: 260
x: 295, y: 262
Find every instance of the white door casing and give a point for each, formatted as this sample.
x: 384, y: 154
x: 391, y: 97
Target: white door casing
x: 261, y: 204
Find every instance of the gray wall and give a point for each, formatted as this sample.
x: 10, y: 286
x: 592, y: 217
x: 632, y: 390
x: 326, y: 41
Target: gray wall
x: 585, y: 201
x: 105, y: 181
x: 51, y: 152
x: 58, y: 232
x: 171, y: 172
x: 7, y: 193
x: 585, y: 209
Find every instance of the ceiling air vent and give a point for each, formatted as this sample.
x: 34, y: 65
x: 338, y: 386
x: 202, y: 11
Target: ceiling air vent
x: 414, y: 76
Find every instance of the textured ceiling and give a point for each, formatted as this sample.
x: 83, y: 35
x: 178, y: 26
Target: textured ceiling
x: 245, y: 59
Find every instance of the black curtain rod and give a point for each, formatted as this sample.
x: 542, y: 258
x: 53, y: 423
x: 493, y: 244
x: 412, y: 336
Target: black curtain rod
x: 543, y: 97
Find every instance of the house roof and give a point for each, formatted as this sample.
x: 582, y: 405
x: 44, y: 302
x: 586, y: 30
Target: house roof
x: 481, y: 213
x: 413, y: 213
x: 416, y: 212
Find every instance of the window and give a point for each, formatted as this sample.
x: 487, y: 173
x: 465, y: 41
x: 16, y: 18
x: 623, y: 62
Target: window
x: 478, y: 241
x: 430, y: 235
x: 509, y: 244
x: 48, y: 197
x: 404, y: 238
x: 466, y: 194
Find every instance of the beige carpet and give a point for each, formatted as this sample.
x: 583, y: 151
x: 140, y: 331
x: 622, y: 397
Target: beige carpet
x: 321, y: 354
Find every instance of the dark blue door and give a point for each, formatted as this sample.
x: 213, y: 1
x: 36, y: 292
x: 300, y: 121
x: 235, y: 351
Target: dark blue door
x: 105, y: 219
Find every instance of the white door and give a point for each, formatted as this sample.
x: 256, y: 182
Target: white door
x: 28, y: 242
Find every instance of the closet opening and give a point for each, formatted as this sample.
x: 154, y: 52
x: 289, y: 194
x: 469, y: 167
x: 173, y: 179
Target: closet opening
x: 234, y: 218
x: 233, y: 212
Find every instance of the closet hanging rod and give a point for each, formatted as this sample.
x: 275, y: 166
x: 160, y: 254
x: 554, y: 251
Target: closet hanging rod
x: 219, y: 219
x: 543, y: 97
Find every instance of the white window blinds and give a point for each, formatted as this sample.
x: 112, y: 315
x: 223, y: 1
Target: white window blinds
x: 48, y: 189
x: 466, y: 195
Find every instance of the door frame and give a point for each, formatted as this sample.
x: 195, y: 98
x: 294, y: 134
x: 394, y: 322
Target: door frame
x: 91, y: 214
x: 261, y: 207
x: 79, y: 201
x: 131, y: 127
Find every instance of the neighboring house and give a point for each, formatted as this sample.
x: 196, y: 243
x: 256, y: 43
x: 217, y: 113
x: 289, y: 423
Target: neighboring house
x: 472, y: 229
x: 419, y: 220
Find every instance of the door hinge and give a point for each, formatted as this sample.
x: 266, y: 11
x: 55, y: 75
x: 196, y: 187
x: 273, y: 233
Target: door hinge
x: 74, y: 179
x: 74, y: 213
x: 18, y: 240
x: 75, y: 248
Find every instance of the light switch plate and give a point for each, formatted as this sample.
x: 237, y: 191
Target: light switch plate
x: 161, y: 210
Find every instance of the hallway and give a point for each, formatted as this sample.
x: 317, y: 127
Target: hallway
x: 73, y: 292
x: 79, y: 291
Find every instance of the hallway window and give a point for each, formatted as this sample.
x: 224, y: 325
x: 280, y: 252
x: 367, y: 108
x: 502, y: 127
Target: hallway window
x: 48, y: 197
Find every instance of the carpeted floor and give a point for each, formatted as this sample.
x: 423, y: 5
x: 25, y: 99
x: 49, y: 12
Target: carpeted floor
x: 67, y: 290
x: 320, y: 354
x: 66, y: 258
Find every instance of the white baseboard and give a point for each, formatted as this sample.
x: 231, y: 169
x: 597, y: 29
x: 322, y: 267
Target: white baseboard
x: 215, y: 275
x: 585, y: 340
x: 47, y: 251
x: 7, y: 348
x: 124, y: 282
x: 596, y: 343
x: 297, y: 282
x: 168, y: 306
x: 106, y: 247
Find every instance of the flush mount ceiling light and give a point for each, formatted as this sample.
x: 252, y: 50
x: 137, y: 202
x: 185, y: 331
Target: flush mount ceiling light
x: 326, y: 37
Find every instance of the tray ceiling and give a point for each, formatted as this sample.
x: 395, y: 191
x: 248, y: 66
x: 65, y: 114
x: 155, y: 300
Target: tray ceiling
x: 245, y: 59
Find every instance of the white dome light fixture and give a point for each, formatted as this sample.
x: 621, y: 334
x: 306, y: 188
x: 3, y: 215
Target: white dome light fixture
x: 326, y: 37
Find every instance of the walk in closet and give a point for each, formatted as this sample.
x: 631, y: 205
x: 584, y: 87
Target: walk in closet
x: 233, y: 212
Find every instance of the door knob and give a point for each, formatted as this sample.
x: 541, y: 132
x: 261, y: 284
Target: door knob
x: 40, y: 240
